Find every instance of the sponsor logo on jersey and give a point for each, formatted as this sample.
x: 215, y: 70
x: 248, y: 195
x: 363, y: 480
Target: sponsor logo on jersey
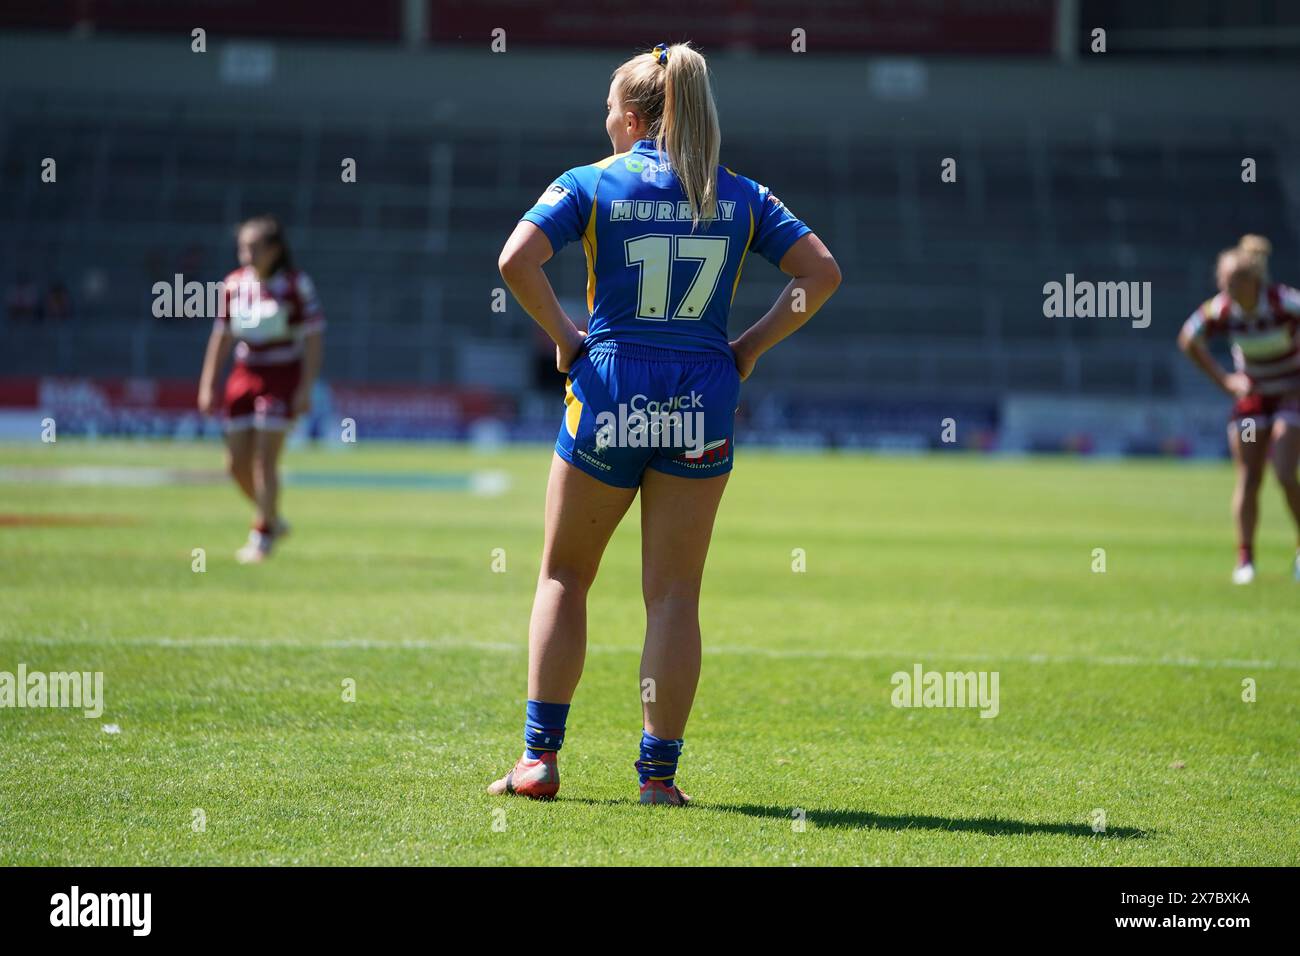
x: 261, y: 321
x: 554, y: 193
x: 646, y: 167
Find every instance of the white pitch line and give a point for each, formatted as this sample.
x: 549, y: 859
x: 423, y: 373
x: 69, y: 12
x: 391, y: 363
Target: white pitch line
x: 482, y: 483
x: 912, y: 654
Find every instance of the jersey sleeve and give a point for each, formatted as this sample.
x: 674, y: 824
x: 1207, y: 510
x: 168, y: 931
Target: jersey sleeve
x: 1289, y: 300
x: 1201, y: 324
x: 776, y: 229
x: 563, y: 209
x: 310, y: 318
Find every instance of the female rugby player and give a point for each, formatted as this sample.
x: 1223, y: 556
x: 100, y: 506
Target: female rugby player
x: 652, y: 388
x: 1263, y: 321
x: 273, y: 323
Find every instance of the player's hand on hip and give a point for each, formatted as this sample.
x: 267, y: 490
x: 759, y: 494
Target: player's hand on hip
x: 567, y: 354
x: 1238, y: 385
x: 744, y: 361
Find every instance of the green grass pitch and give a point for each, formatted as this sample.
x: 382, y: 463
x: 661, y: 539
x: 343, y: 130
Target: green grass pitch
x: 1120, y: 692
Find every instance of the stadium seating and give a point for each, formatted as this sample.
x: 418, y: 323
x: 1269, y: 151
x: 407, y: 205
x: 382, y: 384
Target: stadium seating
x: 943, y: 287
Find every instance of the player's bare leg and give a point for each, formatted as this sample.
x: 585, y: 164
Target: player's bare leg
x: 266, y: 472
x: 1286, y: 461
x: 581, y: 515
x: 268, y: 444
x: 240, y: 450
x: 1249, y: 459
x: 677, y: 517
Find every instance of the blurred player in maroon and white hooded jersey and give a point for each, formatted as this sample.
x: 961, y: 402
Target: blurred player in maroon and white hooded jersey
x: 1262, y: 320
x: 273, y: 323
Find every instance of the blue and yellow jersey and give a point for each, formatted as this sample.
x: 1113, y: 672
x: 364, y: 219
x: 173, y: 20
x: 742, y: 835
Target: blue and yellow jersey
x: 651, y: 279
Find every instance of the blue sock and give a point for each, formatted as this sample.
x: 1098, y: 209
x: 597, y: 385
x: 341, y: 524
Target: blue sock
x: 544, y: 727
x: 658, y: 758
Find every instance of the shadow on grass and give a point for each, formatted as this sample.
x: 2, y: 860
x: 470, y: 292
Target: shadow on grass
x: 862, y: 819
x: 865, y: 820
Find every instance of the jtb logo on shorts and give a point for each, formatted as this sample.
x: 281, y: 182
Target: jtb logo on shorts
x: 711, y: 453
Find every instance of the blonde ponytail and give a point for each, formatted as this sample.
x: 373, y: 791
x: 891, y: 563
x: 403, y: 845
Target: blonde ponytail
x: 689, y: 132
x: 669, y: 88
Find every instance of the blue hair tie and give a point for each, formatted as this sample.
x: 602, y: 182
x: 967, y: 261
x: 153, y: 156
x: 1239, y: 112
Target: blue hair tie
x: 661, y: 54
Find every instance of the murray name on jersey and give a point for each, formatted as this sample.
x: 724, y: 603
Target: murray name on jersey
x: 650, y: 210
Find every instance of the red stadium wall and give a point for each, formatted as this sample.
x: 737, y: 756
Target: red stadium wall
x: 885, y: 26
x: 1009, y: 27
x: 375, y: 20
